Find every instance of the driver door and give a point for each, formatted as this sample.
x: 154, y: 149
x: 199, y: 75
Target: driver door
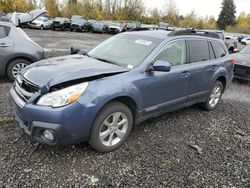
x: 166, y: 91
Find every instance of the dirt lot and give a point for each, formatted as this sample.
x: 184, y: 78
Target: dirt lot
x: 186, y: 148
x: 53, y: 39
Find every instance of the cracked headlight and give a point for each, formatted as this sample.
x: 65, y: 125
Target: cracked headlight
x: 64, y: 96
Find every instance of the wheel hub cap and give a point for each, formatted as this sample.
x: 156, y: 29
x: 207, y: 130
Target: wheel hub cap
x: 17, y: 68
x: 215, y: 96
x: 113, y: 129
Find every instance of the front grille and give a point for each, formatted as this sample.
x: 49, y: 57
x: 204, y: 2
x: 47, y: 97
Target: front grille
x: 24, y: 89
x: 240, y: 71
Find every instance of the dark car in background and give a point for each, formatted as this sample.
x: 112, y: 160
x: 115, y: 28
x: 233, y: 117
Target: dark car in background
x: 99, y: 27
x: 131, y: 26
x: 242, y: 64
x: 17, y: 50
x: 77, y: 23
x: 61, y: 23
x: 131, y: 77
x: 89, y: 25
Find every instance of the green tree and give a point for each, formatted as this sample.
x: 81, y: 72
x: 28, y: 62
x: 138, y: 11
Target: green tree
x: 227, y: 15
x: 16, y: 5
x: 171, y: 13
x: 52, y: 6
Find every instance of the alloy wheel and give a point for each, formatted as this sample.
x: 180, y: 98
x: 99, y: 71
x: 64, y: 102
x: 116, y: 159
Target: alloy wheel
x: 17, y: 68
x: 113, y: 129
x: 215, y: 96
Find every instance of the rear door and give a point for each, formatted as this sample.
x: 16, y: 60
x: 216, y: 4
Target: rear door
x: 6, y: 44
x: 201, y: 67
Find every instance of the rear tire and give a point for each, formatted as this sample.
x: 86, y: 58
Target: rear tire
x: 214, y: 97
x: 15, y: 67
x: 111, y: 127
x: 41, y: 27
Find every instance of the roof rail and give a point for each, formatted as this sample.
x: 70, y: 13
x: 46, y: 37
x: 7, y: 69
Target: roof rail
x: 195, y: 33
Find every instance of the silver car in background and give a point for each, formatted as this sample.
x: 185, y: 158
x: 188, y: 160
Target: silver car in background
x: 17, y: 50
x: 41, y: 22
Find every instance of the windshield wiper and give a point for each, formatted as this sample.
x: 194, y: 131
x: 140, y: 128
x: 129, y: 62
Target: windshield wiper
x: 107, y: 61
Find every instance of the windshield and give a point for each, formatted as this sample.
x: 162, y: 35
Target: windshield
x: 245, y: 50
x: 125, y: 50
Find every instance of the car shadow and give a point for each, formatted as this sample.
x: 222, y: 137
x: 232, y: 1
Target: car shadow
x: 4, y: 80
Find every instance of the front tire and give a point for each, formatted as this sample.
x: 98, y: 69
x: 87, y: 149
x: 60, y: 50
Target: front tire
x: 15, y: 67
x: 111, y: 127
x: 214, y: 96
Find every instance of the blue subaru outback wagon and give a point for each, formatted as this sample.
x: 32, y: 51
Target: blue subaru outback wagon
x: 98, y: 97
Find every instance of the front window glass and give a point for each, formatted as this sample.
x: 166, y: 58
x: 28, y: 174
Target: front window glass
x: 125, y: 50
x: 174, y: 53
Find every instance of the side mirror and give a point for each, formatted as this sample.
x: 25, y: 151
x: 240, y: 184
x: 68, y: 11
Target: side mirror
x: 162, y: 66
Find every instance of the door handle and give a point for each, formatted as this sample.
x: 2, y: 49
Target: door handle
x: 3, y: 45
x: 185, y: 74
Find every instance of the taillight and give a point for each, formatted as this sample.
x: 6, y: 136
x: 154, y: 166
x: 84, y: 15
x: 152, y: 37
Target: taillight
x: 232, y: 61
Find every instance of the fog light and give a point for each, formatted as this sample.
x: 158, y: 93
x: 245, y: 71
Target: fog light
x: 48, y: 135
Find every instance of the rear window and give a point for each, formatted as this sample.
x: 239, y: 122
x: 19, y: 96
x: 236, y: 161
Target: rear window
x: 219, y: 51
x: 198, y: 50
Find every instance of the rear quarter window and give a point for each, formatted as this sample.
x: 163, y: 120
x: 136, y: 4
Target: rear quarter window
x: 219, y: 50
x: 4, y: 31
x: 199, y: 50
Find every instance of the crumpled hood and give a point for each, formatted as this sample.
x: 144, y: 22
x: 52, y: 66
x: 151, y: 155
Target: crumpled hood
x: 50, y: 72
x: 241, y: 59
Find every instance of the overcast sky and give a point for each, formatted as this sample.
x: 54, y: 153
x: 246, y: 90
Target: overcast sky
x: 201, y: 7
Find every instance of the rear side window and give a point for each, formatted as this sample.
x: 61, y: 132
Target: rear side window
x: 211, y: 51
x: 3, y: 32
x: 219, y: 51
x: 199, y: 50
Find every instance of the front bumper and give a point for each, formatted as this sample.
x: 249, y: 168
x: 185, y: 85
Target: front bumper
x: 242, y: 72
x: 70, y: 124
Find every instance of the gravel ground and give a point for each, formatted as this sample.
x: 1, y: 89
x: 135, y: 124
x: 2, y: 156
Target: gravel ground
x: 53, y: 40
x: 186, y: 148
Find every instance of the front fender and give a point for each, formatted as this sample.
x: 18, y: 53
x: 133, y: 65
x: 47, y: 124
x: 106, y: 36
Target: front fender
x: 98, y: 96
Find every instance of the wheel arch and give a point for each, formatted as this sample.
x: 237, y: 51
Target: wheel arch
x: 15, y: 58
x: 223, y: 80
x: 127, y: 101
